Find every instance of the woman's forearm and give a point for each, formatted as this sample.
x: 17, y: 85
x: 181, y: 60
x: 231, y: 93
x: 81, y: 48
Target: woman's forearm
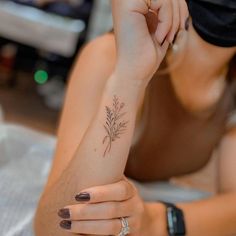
x: 100, y: 157
x: 214, y: 216
x: 102, y: 154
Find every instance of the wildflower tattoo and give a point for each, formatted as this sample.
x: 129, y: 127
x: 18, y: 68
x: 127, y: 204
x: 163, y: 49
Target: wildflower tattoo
x: 114, y: 126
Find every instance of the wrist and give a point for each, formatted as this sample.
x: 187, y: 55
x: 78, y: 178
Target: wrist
x: 130, y: 90
x: 132, y: 76
x: 157, y: 212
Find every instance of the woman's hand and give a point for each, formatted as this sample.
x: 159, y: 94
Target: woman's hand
x: 101, y: 208
x: 143, y: 36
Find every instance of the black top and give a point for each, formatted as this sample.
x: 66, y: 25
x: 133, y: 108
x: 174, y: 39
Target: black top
x: 215, y: 20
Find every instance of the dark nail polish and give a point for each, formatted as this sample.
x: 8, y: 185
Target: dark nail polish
x: 187, y: 23
x: 65, y: 224
x: 64, y: 213
x: 82, y: 197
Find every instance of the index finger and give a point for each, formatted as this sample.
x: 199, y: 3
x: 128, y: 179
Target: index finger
x: 165, y: 15
x: 119, y: 191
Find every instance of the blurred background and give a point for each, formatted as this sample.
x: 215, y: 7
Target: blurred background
x: 39, y: 41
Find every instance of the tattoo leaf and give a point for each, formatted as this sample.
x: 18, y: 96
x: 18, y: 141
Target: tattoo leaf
x: 114, y: 127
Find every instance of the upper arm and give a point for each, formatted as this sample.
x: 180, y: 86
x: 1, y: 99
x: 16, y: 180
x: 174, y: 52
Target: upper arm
x: 227, y: 162
x: 91, y: 71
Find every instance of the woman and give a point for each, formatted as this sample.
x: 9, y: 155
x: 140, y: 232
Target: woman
x: 118, y: 116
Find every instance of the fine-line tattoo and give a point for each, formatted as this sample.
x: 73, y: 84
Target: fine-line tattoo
x: 114, y: 127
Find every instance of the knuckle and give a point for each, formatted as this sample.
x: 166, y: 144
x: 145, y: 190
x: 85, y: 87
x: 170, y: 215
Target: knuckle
x: 125, y: 189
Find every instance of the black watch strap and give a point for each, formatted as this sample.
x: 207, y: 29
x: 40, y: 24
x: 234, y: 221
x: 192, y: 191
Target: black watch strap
x: 175, y: 220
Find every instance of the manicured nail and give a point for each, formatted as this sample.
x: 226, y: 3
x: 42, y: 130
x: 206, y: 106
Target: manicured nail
x: 82, y: 197
x: 64, y: 213
x: 187, y: 23
x: 65, y: 224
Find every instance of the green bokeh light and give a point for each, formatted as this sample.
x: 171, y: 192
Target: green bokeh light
x: 41, y: 76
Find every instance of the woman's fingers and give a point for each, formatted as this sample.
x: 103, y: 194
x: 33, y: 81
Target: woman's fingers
x: 184, y: 15
x: 101, y: 227
x: 164, y: 8
x: 175, y: 20
x: 119, y: 191
x: 98, y: 211
x: 164, y: 48
x: 103, y: 218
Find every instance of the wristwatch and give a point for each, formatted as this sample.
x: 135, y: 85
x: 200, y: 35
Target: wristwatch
x: 175, y: 220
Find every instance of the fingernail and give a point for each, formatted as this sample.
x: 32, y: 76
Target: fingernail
x: 64, y: 213
x: 65, y: 224
x: 82, y: 197
x: 187, y: 23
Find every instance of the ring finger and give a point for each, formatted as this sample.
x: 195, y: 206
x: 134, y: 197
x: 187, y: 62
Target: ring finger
x: 107, y: 210
x: 101, y: 227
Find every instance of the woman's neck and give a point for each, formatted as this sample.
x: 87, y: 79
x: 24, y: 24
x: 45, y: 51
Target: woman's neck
x: 199, y: 79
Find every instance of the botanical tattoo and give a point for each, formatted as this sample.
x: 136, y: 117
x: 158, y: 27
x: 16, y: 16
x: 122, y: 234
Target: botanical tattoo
x: 114, y: 126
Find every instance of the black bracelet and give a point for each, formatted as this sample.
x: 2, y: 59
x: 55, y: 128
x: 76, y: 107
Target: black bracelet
x: 175, y: 220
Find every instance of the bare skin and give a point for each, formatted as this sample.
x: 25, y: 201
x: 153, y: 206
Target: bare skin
x: 198, y: 88
x: 103, y: 51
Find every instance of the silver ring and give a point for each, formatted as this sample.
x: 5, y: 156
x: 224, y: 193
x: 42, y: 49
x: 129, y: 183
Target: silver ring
x: 125, y: 230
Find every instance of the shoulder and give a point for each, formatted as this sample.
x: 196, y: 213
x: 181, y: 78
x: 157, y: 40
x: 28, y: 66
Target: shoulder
x: 102, y: 46
x: 96, y: 58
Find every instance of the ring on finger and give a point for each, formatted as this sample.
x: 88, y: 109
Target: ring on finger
x: 125, y: 229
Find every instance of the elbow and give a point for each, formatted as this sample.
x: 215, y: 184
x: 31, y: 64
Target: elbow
x: 45, y: 219
x: 39, y: 221
x: 37, y: 224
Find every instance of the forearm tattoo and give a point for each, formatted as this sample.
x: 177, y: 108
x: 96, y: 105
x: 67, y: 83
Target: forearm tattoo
x: 114, y: 125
